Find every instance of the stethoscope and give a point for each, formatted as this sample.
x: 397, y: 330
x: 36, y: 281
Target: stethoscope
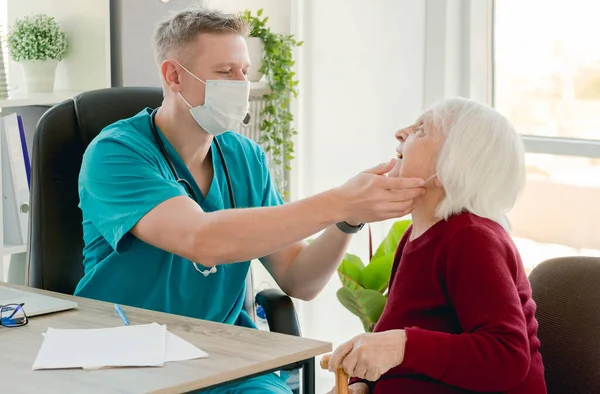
x: 185, y: 183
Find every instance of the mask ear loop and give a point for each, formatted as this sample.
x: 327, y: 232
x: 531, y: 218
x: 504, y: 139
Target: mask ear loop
x: 189, y: 72
x: 192, y: 74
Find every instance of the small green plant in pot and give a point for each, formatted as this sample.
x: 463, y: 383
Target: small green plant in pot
x: 276, y: 118
x: 364, y: 287
x: 38, y: 43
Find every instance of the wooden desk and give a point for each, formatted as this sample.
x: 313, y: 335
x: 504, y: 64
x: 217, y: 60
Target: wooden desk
x: 234, y: 353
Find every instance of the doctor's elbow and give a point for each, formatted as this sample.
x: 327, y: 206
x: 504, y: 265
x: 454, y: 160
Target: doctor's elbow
x: 207, y: 249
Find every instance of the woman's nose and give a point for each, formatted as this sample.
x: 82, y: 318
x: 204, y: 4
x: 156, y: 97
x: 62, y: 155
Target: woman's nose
x: 401, y: 135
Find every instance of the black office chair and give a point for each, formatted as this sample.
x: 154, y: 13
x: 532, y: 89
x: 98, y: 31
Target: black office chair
x: 567, y: 296
x: 54, y: 254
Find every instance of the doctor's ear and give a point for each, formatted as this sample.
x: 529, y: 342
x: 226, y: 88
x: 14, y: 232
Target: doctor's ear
x: 171, y: 75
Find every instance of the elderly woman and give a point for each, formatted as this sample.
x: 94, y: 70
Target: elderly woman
x: 459, y: 316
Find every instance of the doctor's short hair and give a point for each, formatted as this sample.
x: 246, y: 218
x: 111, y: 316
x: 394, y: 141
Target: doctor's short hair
x: 177, y: 31
x: 482, y: 162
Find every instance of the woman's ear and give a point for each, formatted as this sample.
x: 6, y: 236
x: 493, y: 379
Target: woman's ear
x: 438, y: 182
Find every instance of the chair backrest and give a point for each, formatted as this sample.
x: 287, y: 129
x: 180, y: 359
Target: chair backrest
x: 567, y: 293
x: 55, y: 244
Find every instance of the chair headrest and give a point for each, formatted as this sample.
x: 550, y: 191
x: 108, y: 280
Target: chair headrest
x: 96, y: 109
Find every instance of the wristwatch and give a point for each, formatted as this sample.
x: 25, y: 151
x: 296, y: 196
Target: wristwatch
x: 348, y: 228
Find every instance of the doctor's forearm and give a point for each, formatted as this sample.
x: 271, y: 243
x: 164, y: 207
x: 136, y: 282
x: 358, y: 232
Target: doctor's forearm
x: 316, y: 263
x: 243, y: 234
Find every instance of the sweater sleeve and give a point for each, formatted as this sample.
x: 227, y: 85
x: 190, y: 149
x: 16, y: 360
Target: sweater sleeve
x: 492, y: 353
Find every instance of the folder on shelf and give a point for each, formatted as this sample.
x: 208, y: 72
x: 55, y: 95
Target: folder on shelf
x: 25, y: 151
x: 15, y: 187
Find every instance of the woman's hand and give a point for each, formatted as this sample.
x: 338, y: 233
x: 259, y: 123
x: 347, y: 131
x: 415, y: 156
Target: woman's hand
x: 368, y: 356
x: 356, y: 388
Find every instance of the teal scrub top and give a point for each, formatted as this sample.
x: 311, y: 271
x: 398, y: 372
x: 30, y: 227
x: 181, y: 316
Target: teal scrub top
x: 123, y: 176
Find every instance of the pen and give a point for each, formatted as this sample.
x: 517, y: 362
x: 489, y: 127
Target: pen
x: 121, y: 314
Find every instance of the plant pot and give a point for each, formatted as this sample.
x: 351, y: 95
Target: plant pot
x: 256, y: 47
x: 39, y: 74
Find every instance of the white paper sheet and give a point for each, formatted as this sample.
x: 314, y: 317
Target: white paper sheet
x: 127, y: 346
x: 179, y: 349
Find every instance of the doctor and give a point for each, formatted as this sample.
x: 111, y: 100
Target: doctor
x: 158, y: 192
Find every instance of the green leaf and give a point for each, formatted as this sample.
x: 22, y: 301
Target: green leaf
x: 349, y: 271
x: 391, y: 241
x: 376, y: 275
x: 259, y: 12
x: 364, y: 303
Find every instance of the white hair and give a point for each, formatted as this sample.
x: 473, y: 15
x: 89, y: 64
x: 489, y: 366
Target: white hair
x: 482, y: 162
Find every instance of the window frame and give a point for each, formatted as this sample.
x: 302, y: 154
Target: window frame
x: 577, y: 147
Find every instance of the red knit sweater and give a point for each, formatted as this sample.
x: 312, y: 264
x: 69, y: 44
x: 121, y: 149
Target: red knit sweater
x: 462, y: 295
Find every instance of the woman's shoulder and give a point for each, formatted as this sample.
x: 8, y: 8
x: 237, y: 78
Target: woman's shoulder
x: 469, y: 224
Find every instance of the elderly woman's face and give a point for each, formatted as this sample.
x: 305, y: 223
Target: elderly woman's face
x: 419, y: 145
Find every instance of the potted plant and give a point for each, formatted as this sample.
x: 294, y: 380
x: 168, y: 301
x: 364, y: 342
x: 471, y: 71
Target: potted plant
x: 38, y: 43
x: 275, y: 52
x: 364, y: 287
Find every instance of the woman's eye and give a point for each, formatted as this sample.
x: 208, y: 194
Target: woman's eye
x: 224, y: 72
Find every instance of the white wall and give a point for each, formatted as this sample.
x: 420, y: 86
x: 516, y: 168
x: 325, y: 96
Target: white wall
x: 87, y: 65
x: 362, y: 78
x: 278, y: 11
x: 131, y: 39
x: 361, y: 72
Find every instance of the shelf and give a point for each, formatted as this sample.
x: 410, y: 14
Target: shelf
x: 259, y: 89
x: 23, y: 98
x: 14, y: 249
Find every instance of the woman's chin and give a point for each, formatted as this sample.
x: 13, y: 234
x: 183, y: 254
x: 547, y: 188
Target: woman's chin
x: 396, y: 171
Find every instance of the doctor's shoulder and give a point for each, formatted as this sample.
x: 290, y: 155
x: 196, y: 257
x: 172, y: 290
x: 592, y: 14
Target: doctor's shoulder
x: 242, y: 146
x: 126, y: 137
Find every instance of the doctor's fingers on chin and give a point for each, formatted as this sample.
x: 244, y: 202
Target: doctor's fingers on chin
x: 398, y: 207
x: 400, y: 183
x: 397, y: 213
x: 405, y: 194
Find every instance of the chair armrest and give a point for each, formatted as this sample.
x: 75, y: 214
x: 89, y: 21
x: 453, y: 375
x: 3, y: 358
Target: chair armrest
x: 280, y: 311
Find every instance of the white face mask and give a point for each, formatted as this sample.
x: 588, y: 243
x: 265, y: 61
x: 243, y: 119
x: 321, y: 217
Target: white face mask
x: 225, y: 105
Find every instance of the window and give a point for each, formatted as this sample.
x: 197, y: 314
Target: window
x: 547, y: 82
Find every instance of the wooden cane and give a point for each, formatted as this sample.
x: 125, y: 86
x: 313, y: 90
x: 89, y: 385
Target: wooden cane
x: 341, y: 377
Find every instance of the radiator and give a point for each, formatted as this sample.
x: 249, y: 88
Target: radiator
x: 252, y: 131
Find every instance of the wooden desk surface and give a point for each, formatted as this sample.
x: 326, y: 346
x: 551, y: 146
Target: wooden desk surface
x: 234, y: 352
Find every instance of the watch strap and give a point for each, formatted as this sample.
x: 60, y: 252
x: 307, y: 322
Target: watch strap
x: 348, y: 228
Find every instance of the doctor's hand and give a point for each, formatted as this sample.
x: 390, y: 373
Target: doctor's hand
x: 370, y: 355
x: 371, y: 196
